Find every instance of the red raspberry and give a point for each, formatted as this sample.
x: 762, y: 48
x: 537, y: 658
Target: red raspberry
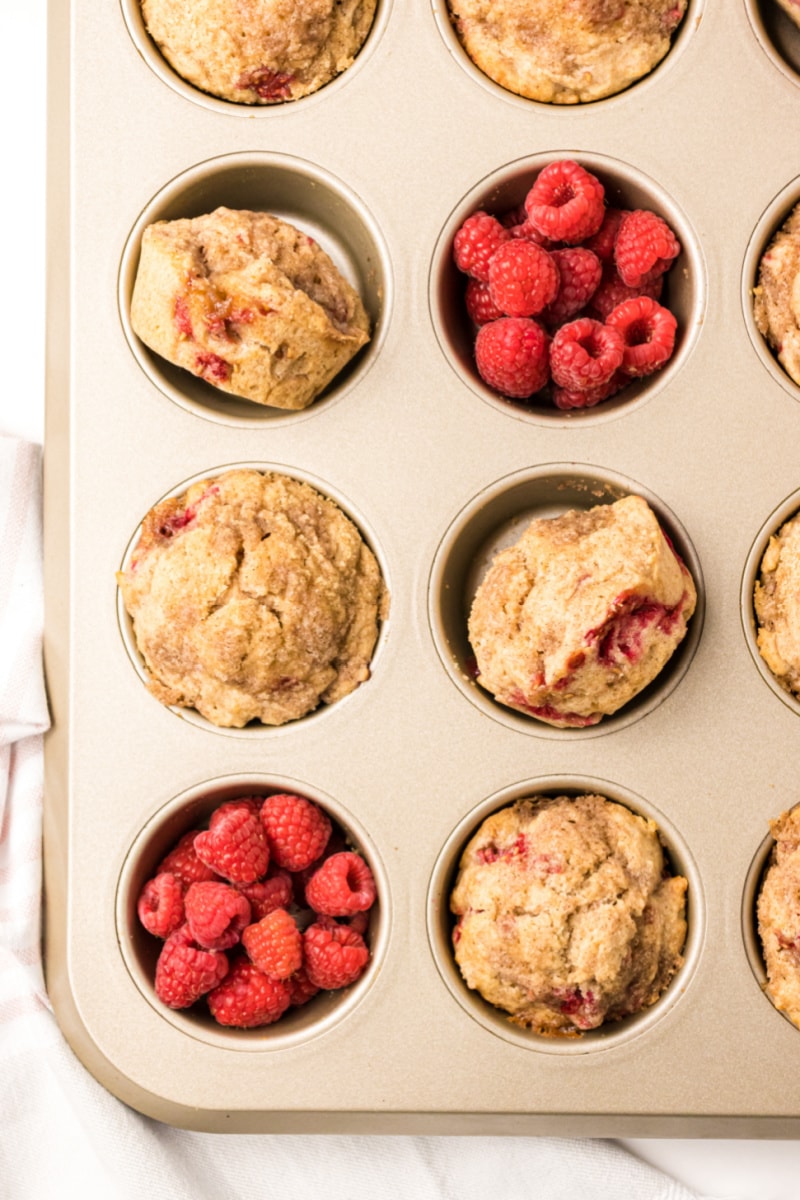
x: 160, y: 905
x: 301, y: 989
x: 523, y: 278
x: 342, y: 885
x: 585, y: 354
x: 248, y: 998
x: 183, y: 862
x: 511, y: 356
x: 185, y: 971
x: 565, y: 398
x: 475, y: 243
x: 566, y: 202
x: 648, y: 333
x: 234, y: 844
x: 334, y: 955
x: 645, y: 247
x: 602, y: 242
x: 275, y: 944
x: 481, y: 308
x: 265, y: 895
x: 612, y: 291
x: 216, y: 914
x: 579, y: 272
x: 297, y: 830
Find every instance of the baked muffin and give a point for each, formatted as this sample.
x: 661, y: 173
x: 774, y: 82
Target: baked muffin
x: 253, y: 598
x: 777, y: 605
x: 567, y: 916
x: 259, y: 51
x: 247, y: 302
x: 776, y: 300
x: 581, y: 613
x: 778, y: 910
x: 566, y: 53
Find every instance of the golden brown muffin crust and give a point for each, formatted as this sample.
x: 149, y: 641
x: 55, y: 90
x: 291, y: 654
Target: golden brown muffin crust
x: 566, y: 915
x: 253, y: 598
x: 566, y: 51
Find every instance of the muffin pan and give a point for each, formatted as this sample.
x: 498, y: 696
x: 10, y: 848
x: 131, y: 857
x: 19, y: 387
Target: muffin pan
x: 381, y: 166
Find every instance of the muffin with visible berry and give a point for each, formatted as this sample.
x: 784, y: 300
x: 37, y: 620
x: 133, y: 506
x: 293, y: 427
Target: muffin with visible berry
x: 777, y: 606
x: 776, y: 298
x: 778, y: 913
x: 259, y: 911
x: 566, y: 53
x: 252, y: 598
x: 259, y: 51
x: 568, y: 917
x: 563, y: 292
x: 579, y: 615
x: 247, y: 302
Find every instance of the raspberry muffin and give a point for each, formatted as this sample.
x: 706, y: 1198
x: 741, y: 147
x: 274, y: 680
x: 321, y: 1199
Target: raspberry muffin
x: 247, y: 302
x: 778, y: 911
x: 566, y: 53
x: 259, y: 51
x: 567, y: 916
x: 253, y: 598
x: 581, y: 613
x: 777, y: 605
x: 776, y: 303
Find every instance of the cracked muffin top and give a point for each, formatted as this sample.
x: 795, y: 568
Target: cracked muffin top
x: 247, y: 302
x: 581, y: 613
x: 567, y: 914
x: 566, y: 52
x: 253, y: 598
x: 259, y: 51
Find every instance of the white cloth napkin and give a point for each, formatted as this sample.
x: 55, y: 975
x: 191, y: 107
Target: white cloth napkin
x: 63, y: 1135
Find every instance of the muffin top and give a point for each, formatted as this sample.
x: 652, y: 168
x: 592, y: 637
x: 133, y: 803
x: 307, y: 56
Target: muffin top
x: 253, y: 598
x: 259, y: 51
x: 581, y: 613
x: 566, y: 53
x: 778, y: 910
x: 567, y: 917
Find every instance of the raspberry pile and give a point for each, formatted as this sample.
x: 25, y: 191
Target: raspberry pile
x: 259, y: 911
x: 564, y: 291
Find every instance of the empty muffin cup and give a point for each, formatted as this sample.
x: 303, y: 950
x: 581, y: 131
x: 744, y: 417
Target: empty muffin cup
x: 313, y: 1009
x: 494, y: 521
x: 679, y: 292
x: 335, y: 222
x: 219, y: 586
x: 520, y: 864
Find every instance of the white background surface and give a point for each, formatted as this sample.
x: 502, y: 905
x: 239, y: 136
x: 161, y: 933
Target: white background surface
x: 734, y: 1170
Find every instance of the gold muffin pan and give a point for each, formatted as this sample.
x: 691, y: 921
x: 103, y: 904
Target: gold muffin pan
x: 381, y: 166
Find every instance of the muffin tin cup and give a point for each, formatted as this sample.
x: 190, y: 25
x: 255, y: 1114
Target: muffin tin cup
x: 255, y: 729
x: 495, y: 519
x: 381, y: 166
x: 750, y: 575
x: 625, y: 186
x: 152, y: 56
x: 191, y: 810
x: 306, y: 196
x: 440, y: 921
